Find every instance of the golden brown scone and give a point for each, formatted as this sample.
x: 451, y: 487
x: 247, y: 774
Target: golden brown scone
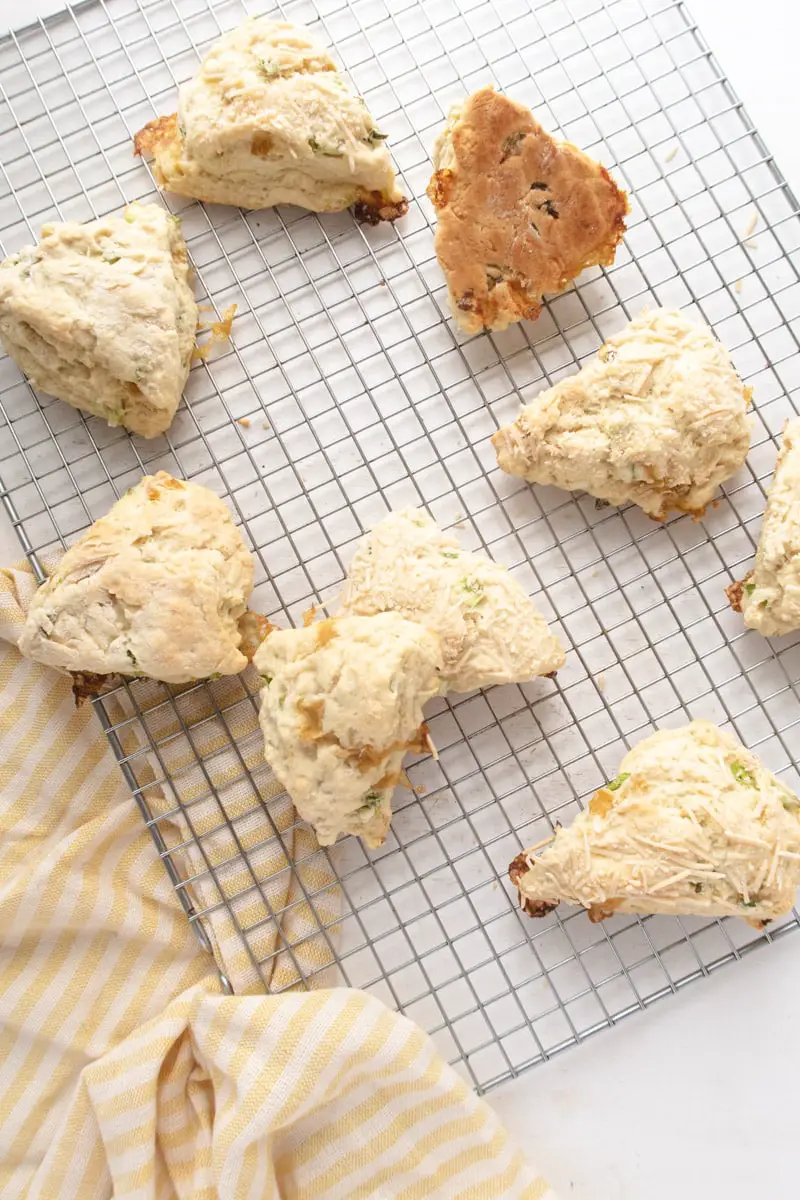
x: 519, y: 214
x: 491, y: 631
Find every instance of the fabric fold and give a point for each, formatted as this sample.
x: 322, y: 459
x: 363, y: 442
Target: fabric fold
x: 124, y: 1070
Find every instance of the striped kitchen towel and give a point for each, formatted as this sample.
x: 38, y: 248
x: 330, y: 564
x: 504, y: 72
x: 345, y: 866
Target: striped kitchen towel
x: 124, y: 1071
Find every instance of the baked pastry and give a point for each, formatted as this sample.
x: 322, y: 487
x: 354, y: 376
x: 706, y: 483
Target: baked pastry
x: 657, y: 417
x: 519, y: 214
x: 341, y: 704
x: 490, y: 630
x: 102, y: 315
x: 769, y: 597
x: 693, y: 824
x: 269, y: 120
x: 155, y: 588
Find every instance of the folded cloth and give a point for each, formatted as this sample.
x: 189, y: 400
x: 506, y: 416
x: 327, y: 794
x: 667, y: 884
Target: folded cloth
x: 124, y: 1070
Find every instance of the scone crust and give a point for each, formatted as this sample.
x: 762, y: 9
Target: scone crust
x: 519, y: 214
x: 155, y: 588
x: 693, y: 823
x: 658, y: 418
x: 102, y: 315
x: 769, y: 597
x: 268, y: 119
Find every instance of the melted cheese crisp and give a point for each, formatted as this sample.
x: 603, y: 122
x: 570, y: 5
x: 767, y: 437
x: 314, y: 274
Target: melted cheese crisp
x: 658, y: 418
x: 154, y: 588
x: 490, y: 630
x: 694, y: 823
x: 769, y: 598
x: 341, y: 705
x: 269, y: 120
x: 102, y: 315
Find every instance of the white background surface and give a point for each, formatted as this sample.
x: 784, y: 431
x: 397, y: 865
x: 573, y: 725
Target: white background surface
x: 697, y: 1098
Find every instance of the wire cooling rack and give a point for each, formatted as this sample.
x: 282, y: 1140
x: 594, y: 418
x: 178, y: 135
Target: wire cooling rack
x: 347, y: 392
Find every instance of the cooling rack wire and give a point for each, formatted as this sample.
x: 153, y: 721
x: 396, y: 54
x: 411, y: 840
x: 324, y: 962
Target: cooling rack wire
x: 347, y: 392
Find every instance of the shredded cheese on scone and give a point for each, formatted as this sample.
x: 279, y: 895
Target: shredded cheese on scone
x: 693, y: 823
x: 769, y: 597
x: 658, y: 417
x: 268, y: 119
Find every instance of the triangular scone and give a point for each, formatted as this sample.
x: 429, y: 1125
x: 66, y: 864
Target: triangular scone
x: 693, y: 823
x: 154, y: 588
x: 341, y: 705
x: 490, y: 630
x: 519, y: 214
x: 102, y: 315
x: 268, y: 119
x: 769, y: 597
x: 658, y: 417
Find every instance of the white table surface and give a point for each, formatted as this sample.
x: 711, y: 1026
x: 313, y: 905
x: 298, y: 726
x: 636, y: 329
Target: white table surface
x: 697, y: 1097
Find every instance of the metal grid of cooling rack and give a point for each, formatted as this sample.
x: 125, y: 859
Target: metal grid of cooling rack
x: 347, y: 391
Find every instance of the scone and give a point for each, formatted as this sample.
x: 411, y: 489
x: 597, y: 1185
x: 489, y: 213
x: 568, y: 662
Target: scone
x: 154, y: 588
x: 769, y: 597
x: 519, y: 214
x: 102, y: 315
x: 341, y: 705
x: 269, y: 120
x: 693, y: 824
x: 658, y: 417
x: 490, y: 630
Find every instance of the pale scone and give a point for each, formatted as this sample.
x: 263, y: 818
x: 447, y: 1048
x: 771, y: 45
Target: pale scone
x: 769, y: 597
x: 490, y: 630
x: 154, y: 588
x: 102, y: 315
x: 268, y: 119
x: 341, y: 705
x: 658, y: 417
x: 693, y: 824
x: 519, y: 214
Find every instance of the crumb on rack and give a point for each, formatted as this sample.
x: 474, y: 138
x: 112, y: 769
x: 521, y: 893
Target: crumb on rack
x: 738, y: 285
x: 668, y: 157
x: 751, y: 225
x: 244, y: 421
x: 220, y: 331
x: 751, y: 244
x: 600, y: 681
x: 265, y: 425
